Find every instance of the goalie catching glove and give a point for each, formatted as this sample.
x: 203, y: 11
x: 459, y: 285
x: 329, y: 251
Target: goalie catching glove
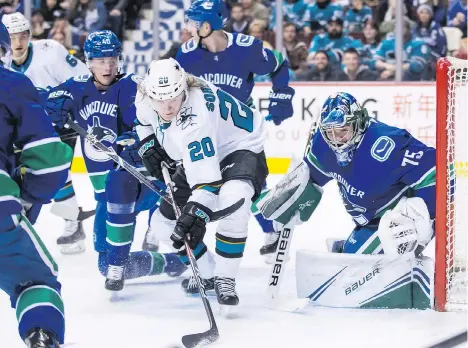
x: 406, y: 228
x: 293, y: 200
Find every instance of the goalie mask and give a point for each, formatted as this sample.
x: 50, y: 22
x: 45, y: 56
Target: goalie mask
x: 342, y: 125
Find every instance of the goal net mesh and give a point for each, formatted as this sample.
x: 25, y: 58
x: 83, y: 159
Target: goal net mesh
x: 457, y: 185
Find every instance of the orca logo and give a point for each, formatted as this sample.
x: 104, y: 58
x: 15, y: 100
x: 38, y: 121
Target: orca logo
x: 102, y: 134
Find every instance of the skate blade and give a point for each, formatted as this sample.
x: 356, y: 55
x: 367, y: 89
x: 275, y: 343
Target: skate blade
x: 288, y: 305
x: 226, y: 312
x: 74, y: 248
x: 115, y: 296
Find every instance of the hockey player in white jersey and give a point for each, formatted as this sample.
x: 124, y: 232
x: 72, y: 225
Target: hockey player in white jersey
x: 47, y: 64
x: 219, y: 142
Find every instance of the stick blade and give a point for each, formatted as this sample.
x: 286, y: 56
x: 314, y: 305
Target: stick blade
x: 201, y: 339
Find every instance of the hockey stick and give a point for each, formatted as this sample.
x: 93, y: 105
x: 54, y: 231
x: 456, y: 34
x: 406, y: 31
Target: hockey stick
x: 282, y: 255
x: 212, y: 335
x: 217, y: 215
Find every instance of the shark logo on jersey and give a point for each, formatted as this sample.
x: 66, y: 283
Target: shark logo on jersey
x: 186, y: 118
x: 103, y: 134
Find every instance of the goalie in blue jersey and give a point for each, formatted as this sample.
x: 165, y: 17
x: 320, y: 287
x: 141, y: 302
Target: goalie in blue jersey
x: 386, y: 179
x: 230, y: 61
x: 28, y: 273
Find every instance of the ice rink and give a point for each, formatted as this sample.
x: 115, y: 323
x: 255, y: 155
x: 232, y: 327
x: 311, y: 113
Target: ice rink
x: 153, y: 311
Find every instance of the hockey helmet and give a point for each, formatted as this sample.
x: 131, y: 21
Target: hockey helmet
x: 211, y: 11
x: 16, y: 23
x: 342, y: 124
x: 5, y: 45
x: 165, y: 79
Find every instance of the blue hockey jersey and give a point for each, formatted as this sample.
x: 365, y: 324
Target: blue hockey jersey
x: 434, y: 37
x: 104, y: 114
x: 44, y: 158
x: 292, y: 13
x: 233, y: 69
x: 388, y: 164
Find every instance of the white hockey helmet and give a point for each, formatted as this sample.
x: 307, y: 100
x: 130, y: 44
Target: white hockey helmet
x: 16, y: 23
x: 165, y: 79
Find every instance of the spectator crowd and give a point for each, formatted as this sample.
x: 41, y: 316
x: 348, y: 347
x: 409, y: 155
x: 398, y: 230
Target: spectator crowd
x: 324, y: 40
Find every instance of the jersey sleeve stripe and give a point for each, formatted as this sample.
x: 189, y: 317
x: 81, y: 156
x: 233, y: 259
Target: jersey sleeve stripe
x: 428, y: 179
x: 41, y: 142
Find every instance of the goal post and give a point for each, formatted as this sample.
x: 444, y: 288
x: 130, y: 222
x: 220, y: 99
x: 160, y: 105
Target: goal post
x: 451, y: 185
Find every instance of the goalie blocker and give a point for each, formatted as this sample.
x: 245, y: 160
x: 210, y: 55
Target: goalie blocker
x: 396, y: 280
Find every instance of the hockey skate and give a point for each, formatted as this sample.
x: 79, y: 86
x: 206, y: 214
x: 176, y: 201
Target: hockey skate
x: 72, y: 239
x: 269, y: 248
x: 39, y: 338
x: 190, y: 286
x: 150, y: 243
x: 114, y: 281
x: 226, y: 292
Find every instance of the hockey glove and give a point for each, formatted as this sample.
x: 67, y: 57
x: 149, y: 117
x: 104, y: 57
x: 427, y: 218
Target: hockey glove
x: 406, y: 228
x: 153, y: 155
x: 281, y: 107
x: 191, y: 225
x: 131, y: 145
x: 29, y: 209
x: 58, y: 106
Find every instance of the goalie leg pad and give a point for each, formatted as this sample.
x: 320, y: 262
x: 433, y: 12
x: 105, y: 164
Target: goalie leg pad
x: 364, y: 281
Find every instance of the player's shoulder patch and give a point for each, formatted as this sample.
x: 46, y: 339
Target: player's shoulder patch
x: 136, y: 78
x: 382, y: 148
x: 189, y: 46
x: 81, y: 78
x: 244, y: 40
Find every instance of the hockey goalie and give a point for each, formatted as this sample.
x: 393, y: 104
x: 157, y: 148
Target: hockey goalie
x: 386, y: 179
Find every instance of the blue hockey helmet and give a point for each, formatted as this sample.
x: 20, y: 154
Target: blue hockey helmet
x: 102, y: 44
x: 342, y: 124
x: 5, y: 45
x: 211, y: 11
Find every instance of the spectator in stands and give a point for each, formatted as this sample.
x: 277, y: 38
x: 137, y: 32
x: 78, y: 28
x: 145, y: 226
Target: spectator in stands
x: 431, y: 33
x: 322, y: 70
x: 172, y: 52
x: 257, y: 29
x: 354, y: 70
x: 456, y: 15
x: 416, y: 53
x: 370, y: 42
x: 356, y: 16
x: 319, y: 13
x: 388, y: 23
x: 116, y: 8
x: 293, y: 12
x: 86, y: 16
x: 59, y: 36
x: 49, y: 8
x: 8, y: 6
x: 132, y: 11
x: 61, y: 26
x: 296, y: 50
x: 39, y: 27
x: 334, y: 42
x: 238, y: 23
x: 256, y: 11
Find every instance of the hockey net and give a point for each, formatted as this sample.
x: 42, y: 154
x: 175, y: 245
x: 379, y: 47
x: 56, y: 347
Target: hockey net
x: 451, y: 185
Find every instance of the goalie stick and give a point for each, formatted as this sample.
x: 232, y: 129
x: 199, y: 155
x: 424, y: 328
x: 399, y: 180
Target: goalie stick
x: 282, y: 255
x: 217, y: 215
x: 212, y: 335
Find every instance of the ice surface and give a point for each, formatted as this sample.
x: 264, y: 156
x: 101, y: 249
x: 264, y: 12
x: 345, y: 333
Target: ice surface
x: 154, y: 312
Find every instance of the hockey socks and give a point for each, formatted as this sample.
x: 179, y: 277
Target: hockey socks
x: 40, y: 306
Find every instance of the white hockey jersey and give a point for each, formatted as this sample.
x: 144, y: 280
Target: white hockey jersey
x: 210, y: 125
x: 50, y: 64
